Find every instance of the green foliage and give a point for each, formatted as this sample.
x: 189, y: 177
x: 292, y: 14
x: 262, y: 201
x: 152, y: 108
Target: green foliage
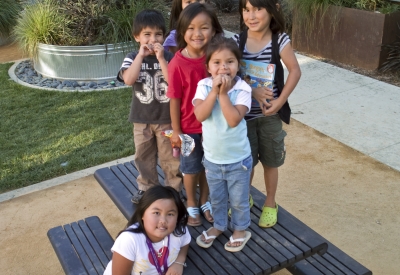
x: 42, y: 22
x: 8, y: 15
x: 226, y: 5
x: 78, y: 22
x: 382, y: 6
x: 392, y: 63
x: 46, y: 134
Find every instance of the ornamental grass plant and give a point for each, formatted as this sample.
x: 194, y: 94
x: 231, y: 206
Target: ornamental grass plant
x: 46, y: 134
x: 8, y: 15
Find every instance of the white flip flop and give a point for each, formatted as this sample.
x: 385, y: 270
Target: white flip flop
x: 244, y: 240
x: 201, y: 243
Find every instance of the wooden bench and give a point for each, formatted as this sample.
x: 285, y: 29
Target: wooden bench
x: 83, y: 247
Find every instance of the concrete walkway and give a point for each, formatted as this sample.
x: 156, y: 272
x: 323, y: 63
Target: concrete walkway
x: 356, y: 110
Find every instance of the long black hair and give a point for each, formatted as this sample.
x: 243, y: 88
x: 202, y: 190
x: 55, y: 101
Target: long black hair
x: 277, y: 24
x: 158, y: 192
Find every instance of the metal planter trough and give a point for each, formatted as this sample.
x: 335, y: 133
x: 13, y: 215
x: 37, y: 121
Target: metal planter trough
x: 81, y: 63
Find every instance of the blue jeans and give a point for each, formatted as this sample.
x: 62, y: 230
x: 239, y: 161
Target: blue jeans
x: 230, y: 182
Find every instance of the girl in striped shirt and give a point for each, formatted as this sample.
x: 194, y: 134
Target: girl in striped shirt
x: 263, y: 40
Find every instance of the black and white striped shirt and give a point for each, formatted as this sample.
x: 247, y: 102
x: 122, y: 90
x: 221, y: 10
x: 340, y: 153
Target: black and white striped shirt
x: 263, y: 56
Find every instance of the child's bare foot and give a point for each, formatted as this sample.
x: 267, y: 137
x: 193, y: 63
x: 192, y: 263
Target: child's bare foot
x: 210, y: 232
x: 237, y: 241
x: 206, y: 211
x: 237, y: 235
x: 207, y: 238
x: 194, y: 216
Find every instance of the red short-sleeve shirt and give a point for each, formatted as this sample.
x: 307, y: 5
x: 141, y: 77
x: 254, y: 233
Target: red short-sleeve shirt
x: 183, y: 75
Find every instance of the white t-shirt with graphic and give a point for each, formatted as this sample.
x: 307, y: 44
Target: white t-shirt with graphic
x: 133, y: 247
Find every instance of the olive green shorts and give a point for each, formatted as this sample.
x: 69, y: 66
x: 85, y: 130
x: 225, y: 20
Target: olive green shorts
x: 266, y: 138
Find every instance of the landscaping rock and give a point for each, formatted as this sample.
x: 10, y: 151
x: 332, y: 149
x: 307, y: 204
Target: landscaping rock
x: 26, y: 73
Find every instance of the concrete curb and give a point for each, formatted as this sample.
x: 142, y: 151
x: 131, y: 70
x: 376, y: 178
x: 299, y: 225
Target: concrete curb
x: 60, y: 180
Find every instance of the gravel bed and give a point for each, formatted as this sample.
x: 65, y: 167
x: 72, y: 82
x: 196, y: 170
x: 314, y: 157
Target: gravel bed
x: 25, y: 72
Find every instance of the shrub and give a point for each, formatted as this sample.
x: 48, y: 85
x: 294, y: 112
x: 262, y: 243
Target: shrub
x: 226, y: 5
x: 8, y: 15
x: 392, y: 63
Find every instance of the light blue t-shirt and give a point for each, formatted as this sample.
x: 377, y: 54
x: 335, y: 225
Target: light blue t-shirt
x: 223, y: 144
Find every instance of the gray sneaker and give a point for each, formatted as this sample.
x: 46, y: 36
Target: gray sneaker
x: 137, y: 196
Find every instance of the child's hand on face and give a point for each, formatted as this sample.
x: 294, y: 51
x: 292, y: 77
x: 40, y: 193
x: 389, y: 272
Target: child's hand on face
x: 226, y: 83
x: 146, y: 50
x: 216, y: 83
x: 158, y: 50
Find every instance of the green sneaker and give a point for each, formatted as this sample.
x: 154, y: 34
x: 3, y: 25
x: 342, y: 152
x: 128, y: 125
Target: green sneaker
x: 269, y: 216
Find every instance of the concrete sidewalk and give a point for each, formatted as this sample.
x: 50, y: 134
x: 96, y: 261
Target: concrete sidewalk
x: 356, y: 110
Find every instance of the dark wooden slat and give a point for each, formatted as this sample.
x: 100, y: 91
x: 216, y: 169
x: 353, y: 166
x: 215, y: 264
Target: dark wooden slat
x: 233, y: 260
x: 130, y: 179
x: 90, y: 268
x: 326, y: 267
x: 288, y: 249
x: 94, y: 245
x: 132, y: 169
x: 293, y: 239
x: 101, y: 234
x: 192, y: 268
x: 249, y: 257
x: 272, y: 247
x: 347, y: 261
x: 124, y: 180
x: 294, y: 226
x: 65, y: 252
x: 87, y: 248
x: 306, y: 267
x: 120, y: 195
x: 204, y: 261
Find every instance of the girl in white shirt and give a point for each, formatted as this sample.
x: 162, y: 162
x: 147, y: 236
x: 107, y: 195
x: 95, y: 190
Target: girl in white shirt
x: 156, y: 239
x: 221, y: 102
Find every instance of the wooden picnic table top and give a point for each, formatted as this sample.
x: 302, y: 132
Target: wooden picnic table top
x: 268, y: 250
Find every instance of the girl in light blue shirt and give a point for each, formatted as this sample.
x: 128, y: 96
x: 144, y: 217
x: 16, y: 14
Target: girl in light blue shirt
x: 221, y: 102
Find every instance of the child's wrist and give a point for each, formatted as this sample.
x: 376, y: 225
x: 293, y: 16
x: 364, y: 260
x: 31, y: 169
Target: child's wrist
x: 180, y: 263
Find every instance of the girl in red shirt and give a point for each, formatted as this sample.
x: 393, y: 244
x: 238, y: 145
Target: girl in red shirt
x: 196, y: 25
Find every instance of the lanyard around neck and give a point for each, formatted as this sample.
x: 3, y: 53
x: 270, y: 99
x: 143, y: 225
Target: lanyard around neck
x: 161, y: 271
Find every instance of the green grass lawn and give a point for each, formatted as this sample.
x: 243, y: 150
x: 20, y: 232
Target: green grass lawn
x: 46, y: 134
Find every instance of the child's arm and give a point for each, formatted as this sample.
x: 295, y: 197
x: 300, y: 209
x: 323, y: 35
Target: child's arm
x: 121, y: 265
x: 203, y: 108
x: 177, y: 266
x: 131, y: 74
x: 159, y: 51
x: 232, y: 113
x: 289, y: 59
x: 175, y: 112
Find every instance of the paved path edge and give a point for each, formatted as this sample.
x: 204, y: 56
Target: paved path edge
x: 59, y: 180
